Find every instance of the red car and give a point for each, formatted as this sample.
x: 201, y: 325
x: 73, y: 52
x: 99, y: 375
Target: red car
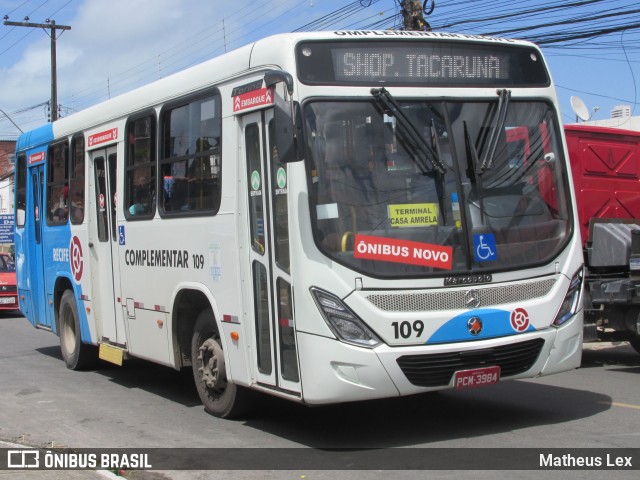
x: 8, y: 287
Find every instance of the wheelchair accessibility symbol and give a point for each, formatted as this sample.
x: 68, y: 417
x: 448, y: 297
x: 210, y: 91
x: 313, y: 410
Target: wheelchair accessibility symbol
x: 484, y: 247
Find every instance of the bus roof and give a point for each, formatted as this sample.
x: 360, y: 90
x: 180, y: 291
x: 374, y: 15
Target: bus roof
x: 397, y: 35
x: 263, y: 53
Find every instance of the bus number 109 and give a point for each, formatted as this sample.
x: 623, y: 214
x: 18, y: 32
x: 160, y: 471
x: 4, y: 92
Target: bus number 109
x: 198, y: 261
x: 406, y: 329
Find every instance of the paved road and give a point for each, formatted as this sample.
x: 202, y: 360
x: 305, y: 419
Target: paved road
x: 145, y: 405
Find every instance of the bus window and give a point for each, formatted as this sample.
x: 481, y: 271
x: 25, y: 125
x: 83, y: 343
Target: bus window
x: 190, y: 165
x: 280, y: 204
x: 21, y: 190
x: 101, y: 194
x: 289, y: 366
x: 254, y: 169
x: 140, y: 174
x: 76, y: 185
x: 36, y: 181
x: 261, y: 307
x: 58, y: 184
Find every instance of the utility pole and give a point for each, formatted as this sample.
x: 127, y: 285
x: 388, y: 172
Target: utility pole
x: 50, y: 25
x: 412, y: 14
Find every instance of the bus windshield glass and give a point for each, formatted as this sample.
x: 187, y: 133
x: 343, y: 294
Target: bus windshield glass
x: 487, y: 192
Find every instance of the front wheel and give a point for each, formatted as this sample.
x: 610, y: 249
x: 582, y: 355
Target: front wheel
x: 220, y: 398
x: 76, y: 355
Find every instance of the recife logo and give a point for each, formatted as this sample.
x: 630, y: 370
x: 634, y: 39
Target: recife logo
x: 75, y: 258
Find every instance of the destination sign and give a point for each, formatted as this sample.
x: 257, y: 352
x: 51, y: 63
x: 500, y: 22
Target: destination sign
x: 371, y: 64
x: 432, y: 63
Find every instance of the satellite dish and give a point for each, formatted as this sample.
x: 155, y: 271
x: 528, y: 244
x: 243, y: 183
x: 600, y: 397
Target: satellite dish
x: 580, y: 109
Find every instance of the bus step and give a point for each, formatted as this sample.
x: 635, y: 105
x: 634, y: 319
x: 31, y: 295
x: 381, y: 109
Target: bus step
x: 111, y: 354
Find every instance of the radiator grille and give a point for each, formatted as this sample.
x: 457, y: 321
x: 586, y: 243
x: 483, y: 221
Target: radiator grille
x: 456, y: 299
x: 436, y: 370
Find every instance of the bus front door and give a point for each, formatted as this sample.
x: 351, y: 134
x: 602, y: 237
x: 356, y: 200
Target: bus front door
x: 103, y: 246
x: 35, y: 252
x: 270, y: 302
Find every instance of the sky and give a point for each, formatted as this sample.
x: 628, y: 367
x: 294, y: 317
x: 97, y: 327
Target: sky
x: 116, y: 45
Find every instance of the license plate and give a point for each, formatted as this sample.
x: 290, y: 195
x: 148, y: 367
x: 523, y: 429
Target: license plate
x: 476, y: 377
x: 7, y: 300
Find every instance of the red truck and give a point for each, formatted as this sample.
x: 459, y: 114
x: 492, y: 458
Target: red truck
x: 606, y: 172
x: 8, y: 289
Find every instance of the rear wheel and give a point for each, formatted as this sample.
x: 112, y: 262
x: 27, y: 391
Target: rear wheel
x: 76, y: 355
x: 219, y: 397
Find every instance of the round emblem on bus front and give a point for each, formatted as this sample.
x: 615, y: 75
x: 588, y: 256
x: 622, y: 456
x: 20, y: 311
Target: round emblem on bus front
x: 474, y: 325
x: 472, y: 299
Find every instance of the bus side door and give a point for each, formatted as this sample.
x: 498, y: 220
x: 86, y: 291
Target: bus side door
x: 264, y: 181
x: 103, y: 246
x: 35, y: 252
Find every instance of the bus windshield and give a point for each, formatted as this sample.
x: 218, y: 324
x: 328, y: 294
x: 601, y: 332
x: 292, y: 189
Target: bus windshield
x: 499, y: 199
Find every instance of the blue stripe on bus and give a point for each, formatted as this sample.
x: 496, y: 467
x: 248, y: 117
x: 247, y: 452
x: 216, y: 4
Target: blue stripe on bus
x: 59, y: 237
x: 495, y: 323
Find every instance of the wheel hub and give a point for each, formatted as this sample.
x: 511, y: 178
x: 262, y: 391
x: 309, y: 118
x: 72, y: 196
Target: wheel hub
x: 211, y: 365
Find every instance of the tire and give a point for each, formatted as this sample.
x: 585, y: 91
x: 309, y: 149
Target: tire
x: 220, y: 398
x: 76, y: 355
x: 635, y: 343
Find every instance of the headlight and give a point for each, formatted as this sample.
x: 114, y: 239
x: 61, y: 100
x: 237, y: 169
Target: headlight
x: 343, y: 322
x: 571, y: 302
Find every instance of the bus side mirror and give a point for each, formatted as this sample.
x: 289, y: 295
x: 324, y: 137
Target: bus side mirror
x: 288, y: 131
x: 287, y: 118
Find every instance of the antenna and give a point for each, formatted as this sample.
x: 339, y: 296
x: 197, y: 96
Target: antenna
x: 580, y: 109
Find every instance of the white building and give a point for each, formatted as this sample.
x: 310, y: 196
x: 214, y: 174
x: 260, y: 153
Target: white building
x: 620, y: 118
x: 621, y: 111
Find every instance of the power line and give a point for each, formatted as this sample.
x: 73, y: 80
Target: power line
x: 575, y: 26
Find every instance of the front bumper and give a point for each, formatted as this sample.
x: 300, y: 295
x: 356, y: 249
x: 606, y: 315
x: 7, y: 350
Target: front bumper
x: 333, y: 371
x: 9, y: 300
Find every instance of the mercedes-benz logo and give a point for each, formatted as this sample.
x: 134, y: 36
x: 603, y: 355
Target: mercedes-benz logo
x: 474, y: 325
x: 472, y: 299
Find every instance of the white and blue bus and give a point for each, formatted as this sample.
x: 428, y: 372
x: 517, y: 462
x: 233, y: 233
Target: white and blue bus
x: 325, y: 217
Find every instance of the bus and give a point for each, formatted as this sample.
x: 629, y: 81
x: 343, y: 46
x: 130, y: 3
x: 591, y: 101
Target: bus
x: 325, y: 217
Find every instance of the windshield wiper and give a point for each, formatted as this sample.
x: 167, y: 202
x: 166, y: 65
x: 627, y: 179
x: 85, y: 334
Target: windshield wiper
x: 472, y: 155
x: 428, y: 159
x: 496, y: 129
x: 472, y: 166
